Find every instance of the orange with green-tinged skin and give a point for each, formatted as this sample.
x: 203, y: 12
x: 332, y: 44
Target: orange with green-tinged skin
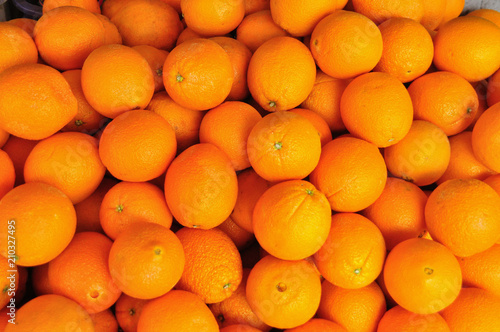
x: 8, y: 172
x: 422, y: 156
x: 201, y: 187
x: 146, y: 260
x: 273, y: 79
x: 354, y: 309
x: 489, y: 14
x: 456, y: 37
x: 116, y: 79
x: 474, y: 310
x: 177, y: 310
x: 422, y: 276
x: 445, y: 99
x: 213, y: 269
x: 198, y: 74
x: 81, y: 272
x: 283, y: 146
x: 127, y: 312
x: 90, y: 5
x: 485, y: 137
x: 346, y: 44
x: 377, y: 108
x: 318, y: 324
x: 104, y: 321
x: 379, y: 11
x: 398, y: 212
x: 27, y: 24
x: 325, y: 135
x: 434, y: 12
x: 38, y: 314
x: 453, y: 9
x: 354, y: 252
x: 45, y: 222
x: 10, y: 280
x: 481, y: 270
x: 111, y: 33
x: 35, y: 89
x: 283, y: 294
x: 241, y: 238
x: 351, y: 173
x: 464, y: 215
x: 17, y: 46
x: 400, y: 319
x: 291, y: 220
x: 156, y: 58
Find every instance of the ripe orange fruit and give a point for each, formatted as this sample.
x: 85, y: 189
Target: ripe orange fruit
x: 241, y: 238
x: 452, y: 10
x: 127, y: 311
x: 354, y: 252
x: 291, y: 220
x: 65, y: 51
x: 69, y: 161
x: 464, y: 215
x: 434, y: 12
x: 213, y: 18
x: 213, y: 269
x: 273, y: 79
x: 283, y: 294
x: 325, y: 134
x: 38, y: 315
x: 81, y: 272
x: 18, y: 150
x: 177, y: 310
x: 201, y: 187
x: 44, y: 221
x: 146, y: 260
x: 489, y: 14
x: 8, y: 172
x: 116, y: 79
x: 422, y: 276
x: 422, y: 156
x: 90, y: 5
x: 380, y: 11
x: 104, y: 321
x: 354, y: 309
x: 400, y: 319
x: 27, y: 24
x: 342, y: 176
x: 111, y: 33
x: 484, y: 138
x: 481, y: 270
x: 474, y: 310
x: 239, y: 328
x: 377, y: 108
x: 17, y: 46
x: 35, y: 89
x: 455, y: 37
x: 252, y: 6
x: 156, y: 58
x: 408, y: 49
x: 346, y: 44
x: 318, y: 324
x: 283, y: 146
x: 186, y: 34
x: 493, y: 89
x: 198, y: 74
x: 451, y: 109
x: 4, y: 137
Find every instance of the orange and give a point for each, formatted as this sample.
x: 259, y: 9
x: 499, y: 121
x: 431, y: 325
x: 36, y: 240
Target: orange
x: 493, y: 89
x: 354, y: 252
x: 127, y: 312
x: 17, y: 46
x: 252, y: 6
x: 489, y: 14
x: 87, y: 120
x: 283, y: 146
x: 156, y: 58
x: 398, y: 212
x: 146, y: 260
x: 318, y: 324
x: 239, y: 328
x: 35, y: 89
x: 148, y: 136
x: 379, y: 11
x: 494, y: 182
x: 452, y: 10
x: 434, y: 12
x: 484, y: 138
x: 298, y: 17
x: 291, y: 220
x: 400, y: 319
x: 111, y: 33
x: 4, y: 137
x: 456, y: 36
x: 8, y: 172
x: 481, y: 91
x: 325, y: 135
x: 177, y: 310
x: 464, y: 215
x: 27, y: 24
x: 481, y: 270
x: 408, y: 49
x: 69, y: 161
x: 228, y: 126
x: 445, y: 99
x: 40, y: 280
x: 116, y: 79
x: 38, y: 315
x: 257, y: 28
x: 250, y: 187
x: 90, y: 5
x: 44, y: 220
x: 342, y: 174
x: 377, y: 108
x: 148, y: 22
x: 324, y: 100
x: 81, y: 272
x: 283, y: 294
x: 241, y: 238
x: 65, y: 51
x: 474, y: 310
x: 104, y: 321
x: 198, y: 74
x: 212, y: 18
x: 422, y: 276
x: 463, y: 164
x: 201, y: 187
x: 10, y: 281
x: 422, y: 156
x: 111, y: 7
x: 239, y: 55
x: 346, y: 44
x: 186, y: 34
x: 273, y: 78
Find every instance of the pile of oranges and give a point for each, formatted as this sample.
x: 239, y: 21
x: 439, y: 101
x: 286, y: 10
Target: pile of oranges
x: 250, y: 165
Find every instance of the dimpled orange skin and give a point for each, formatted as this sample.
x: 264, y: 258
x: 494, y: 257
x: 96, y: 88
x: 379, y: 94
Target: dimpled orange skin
x: 90, y: 5
x: 379, y: 11
x: 17, y: 46
x: 481, y: 270
x: 400, y: 319
x: 489, y: 14
x: 318, y: 122
x: 156, y: 58
x: 27, y: 24
x: 273, y: 78
x: 128, y: 311
x: 485, y: 138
